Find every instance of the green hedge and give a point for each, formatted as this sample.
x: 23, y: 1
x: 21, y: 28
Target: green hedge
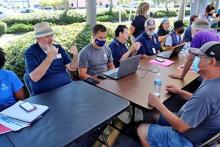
x: 73, y: 16
x: 19, y: 28
x: 3, y: 27
x: 67, y: 35
x: 57, y: 17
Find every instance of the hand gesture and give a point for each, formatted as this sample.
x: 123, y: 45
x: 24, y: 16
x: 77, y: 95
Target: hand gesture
x: 74, y: 50
x: 154, y: 101
x: 136, y: 46
x: 172, y: 89
x: 176, y: 76
x: 52, y: 52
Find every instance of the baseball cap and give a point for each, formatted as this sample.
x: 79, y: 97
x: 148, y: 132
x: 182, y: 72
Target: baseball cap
x: 149, y: 23
x: 210, y: 49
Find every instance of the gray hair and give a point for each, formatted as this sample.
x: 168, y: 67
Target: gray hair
x: 200, y: 24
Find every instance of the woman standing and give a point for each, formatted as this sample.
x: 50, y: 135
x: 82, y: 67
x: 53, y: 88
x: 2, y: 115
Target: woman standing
x: 137, y: 25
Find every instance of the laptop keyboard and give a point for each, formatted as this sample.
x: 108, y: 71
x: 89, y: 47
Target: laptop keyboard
x: 110, y: 72
x: 115, y: 74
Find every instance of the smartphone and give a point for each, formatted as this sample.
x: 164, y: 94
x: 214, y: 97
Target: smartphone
x: 159, y: 59
x: 91, y: 81
x: 28, y: 107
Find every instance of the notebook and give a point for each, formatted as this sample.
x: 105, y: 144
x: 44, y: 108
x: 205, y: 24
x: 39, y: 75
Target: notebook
x: 166, y: 62
x: 16, y: 112
x: 4, y: 129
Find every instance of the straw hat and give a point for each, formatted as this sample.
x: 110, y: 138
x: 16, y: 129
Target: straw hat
x: 42, y: 29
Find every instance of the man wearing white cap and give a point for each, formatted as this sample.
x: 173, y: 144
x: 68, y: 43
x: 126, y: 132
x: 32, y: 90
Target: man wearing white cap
x: 47, y: 63
x: 149, y: 40
x: 198, y: 119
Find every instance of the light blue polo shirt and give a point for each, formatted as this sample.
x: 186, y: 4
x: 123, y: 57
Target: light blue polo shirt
x: 9, y: 85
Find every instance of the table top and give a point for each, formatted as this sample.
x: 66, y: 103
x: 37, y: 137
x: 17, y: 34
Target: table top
x: 74, y: 110
x: 137, y: 86
x: 4, y: 141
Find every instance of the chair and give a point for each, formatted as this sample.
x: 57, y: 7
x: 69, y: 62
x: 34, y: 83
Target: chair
x: 212, y: 142
x: 27, y: 84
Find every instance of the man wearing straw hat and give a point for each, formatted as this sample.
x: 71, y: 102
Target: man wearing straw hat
x: 47, y: 63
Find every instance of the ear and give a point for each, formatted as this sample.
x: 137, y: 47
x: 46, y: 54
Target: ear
x: 213, y: 61
x: 145, y: 29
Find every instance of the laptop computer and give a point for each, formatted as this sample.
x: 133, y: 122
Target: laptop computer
x: 171, y: 53
x: 127, y: 66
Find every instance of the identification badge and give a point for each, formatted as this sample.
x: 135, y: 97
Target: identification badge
x: 105, y: 56
x: 155, y: 40
x: 154, y: 50
x: 59, y: 56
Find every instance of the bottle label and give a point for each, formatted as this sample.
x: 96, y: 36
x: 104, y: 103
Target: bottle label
x: 157, y: 82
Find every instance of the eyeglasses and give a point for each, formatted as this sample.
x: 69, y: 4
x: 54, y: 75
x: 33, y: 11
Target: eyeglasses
x: 151, y: 29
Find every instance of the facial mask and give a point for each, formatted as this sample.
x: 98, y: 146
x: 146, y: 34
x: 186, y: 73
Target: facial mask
x: 195, y: 65
x: 150, y: 33
x: 100, y: 43
x: 181, y: 31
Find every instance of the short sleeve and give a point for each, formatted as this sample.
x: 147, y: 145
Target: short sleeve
x: 16, y: 82
x: 135, y: 22
x: 194, y: 112
x: 30, y: 61
x: 110, y: 58
x: 196, y: 41
x: 83, y: 59
x: 168, y: 41
x: 142, y: 48
x: 160, y: 32
x: 187, y: 35
x: 65, y: 56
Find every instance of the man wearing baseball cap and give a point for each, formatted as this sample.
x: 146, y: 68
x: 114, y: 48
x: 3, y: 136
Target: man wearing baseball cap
x: 47, y: 63
x: 149, y: 40
x: 201, y: 34
x: 198, y: 119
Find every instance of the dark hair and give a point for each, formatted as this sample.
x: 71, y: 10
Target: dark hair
x: 99, y: 27
x: 119, y: 29
x: 192, y: 18
x: 209, y: 8
x: 161, y: 26
x: 2, y: 58
x: 178, y: 24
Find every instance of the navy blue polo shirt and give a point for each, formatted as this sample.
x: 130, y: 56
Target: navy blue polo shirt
x: 150, y: 46
x: 118, y: 50
x: 55, y: 76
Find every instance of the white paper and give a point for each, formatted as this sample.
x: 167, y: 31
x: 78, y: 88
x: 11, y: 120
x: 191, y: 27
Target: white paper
x: 13, y: 124
x: 16, y: 112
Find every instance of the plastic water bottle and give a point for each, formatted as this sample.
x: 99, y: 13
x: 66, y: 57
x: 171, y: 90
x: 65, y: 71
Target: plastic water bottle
x: 157, y: 84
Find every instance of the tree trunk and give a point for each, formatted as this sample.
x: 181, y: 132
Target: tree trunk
x: 28, y: 3
x: 217, y: 5
x: 119, y: 17
x: 194, y: 6
x: 130, y: 9
x: 111, y: 6
x: 91, y: 12
x: 181, y: 14
x: 202, y: 5
x: 167, y: 10
x: 66, y: 4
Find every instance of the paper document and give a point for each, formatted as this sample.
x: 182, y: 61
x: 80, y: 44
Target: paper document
x: 16, y: 112
x: 4, y: 129
x: 13, y: 124
x: 166, y: 62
